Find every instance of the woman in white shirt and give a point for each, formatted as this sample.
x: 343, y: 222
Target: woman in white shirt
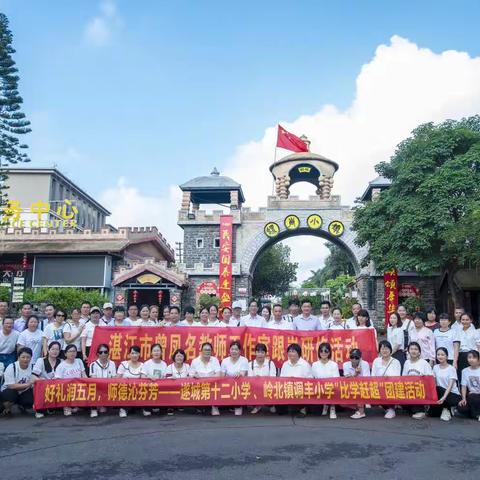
x: 54, y: 331
x: 179, y: 368
x: 447, y: 389
x: 356, y: 367
x: 470, y: 403
x: 73, y: 329
x: 153, y: 315
x: 266, y: 313
x: 295, y: 366
x: 131, y: 368
x: 260, y: 367
x: 154, y: 369
x: 235, y: 366
x: 469, y: 340
x: 206, y: 366
x: 72, y: 367
x: 325, y: 367
x: 144, y: 320
x: 396, y: 337
x: 17, y: 385
x: 386, y: 366
x: 102, y: 367
x: 417, y: 366
x: 447, y: 338
x: 338, y: 321
x: 31, y: 337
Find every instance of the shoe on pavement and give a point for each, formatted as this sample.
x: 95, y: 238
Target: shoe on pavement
x: 325, y: 410
x: 102, y: 409
x: 215, y: 411
x: 390, y: 413
x: 146, y: 413
x: 255, y: 410
x: 446, y: 416
x: 122, y: 413
x: 93, y: 413
x: 67, y: 411
x: 357, y: 415
x: 39, y: 415
x: 419, y: 415
x: 273, y: 409
x: 333, y: 413
x: 170, y: 411
x: 238, y: 411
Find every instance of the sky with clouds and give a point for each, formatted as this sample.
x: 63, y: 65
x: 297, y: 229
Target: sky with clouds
x: 131, y: 99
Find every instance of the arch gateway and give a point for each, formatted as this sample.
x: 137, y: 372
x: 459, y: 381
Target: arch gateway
x: 284, y: 216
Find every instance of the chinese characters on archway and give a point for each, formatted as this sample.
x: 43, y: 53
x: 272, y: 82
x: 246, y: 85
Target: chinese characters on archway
x: 65, y: 213
x: 390, y: 281
x: 225, y: 267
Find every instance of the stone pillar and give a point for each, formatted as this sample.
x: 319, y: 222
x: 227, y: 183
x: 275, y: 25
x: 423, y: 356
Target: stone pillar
x: 234, y: 199
x: 185, y: 202
x: 282, y: 185
x: 326, y: 185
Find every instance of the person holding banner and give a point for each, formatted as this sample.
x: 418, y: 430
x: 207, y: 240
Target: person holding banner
x: 356, y: 367
x: 130, y: 369
x: 261, y: 368
x: 102, y: 367
x: 144, y: 320
x: 470, y: 403
x: 278, y: 321
x: 154, y: 369
x: 253, y: 319
x: 396, y: 337
x: 206, y: 366
x: 447, y: 390
x: 71, y: 367
x: 86, y: 337
x: 235, y: 366
x: 386, y: 366
x: 325, y: 367
x: 179, y: 368
x: 415, y: 365
x: 295, y: 366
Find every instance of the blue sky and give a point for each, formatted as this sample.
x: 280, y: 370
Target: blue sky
x: 132, y: 98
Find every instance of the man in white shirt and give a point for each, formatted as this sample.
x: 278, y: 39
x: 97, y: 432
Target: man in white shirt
x: 85, y: 312
x: 174, y: 319
x: 352, y: 321
x: 325, y: 317
x: 132, y: 314
x: 119, y: 319
x: 253, y: 319
x: 279, y: 322
x: 236, y: 314
x: 3, y: 311
x: 293, y: 310
x: 107, y: 314
x: 21, y: 322
x: 457, y: 324
x: 49, y: 315
x: 8, y: 342
x: 306, y: 321
x: 407, y: 323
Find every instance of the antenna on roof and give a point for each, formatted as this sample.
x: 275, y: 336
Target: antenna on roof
x: 215, y: 172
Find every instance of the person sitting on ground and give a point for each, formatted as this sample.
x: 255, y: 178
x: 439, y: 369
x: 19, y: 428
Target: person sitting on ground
x: 470, y: 403
x: 131, y: 368
x: 102, y: 367
x: 357, y: 367
x: 261, y: 367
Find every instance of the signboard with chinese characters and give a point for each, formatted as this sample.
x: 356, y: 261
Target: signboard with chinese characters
x: 390, y: 283
x: 36, y: 215
x: 408, y: 290
x: 209, y: 288
x: 292, y: 222
x: 225, y: 264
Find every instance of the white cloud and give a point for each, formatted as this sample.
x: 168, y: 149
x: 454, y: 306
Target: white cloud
x: 100, y: 29
x: 402, y: 86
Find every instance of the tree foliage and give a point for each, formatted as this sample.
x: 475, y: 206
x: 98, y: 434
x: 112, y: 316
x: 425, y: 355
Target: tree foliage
x: 429, y: 219
x: 337, y: 263
x: 12, y: 121
x: 274, y: 271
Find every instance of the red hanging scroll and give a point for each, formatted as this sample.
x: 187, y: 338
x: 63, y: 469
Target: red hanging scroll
x: 225, y: 267
x: 390, y: 285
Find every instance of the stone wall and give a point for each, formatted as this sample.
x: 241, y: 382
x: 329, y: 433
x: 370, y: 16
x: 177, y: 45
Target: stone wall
x: 208, y: 254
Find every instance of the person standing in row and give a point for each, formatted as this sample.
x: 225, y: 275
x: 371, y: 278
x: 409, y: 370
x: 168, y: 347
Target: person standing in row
x: 236, y: 314
x: 293, y: 310
x: 338, y: 321
x: 3, y: 311
x: 306, y: 321
x: 86, y: 337
x: 260, y: 367
x: 49, y: 315
x: 144, y: 320
x: 21, y: 322
x: 253, y: 319
x: 457, y: 324
x: 107, y: 314
x: 179, y: 368
x: 54, y: 331
x: 132, y: 314
x: 396, y: 337
x: 154, y: 315
x: 188, y: 317
x: 424, y: 337
x: 31, y: 337
x: 278, y: 321
x: 73, y: 328
x: 85, y: 312
x: 119, y: 319
x: 325, y: 318
x: 431, y: 319
x: 469, y: 340
x: 352, y: 322
x: 266, y: 314
x: 8, y: 343
x: 447, y: 338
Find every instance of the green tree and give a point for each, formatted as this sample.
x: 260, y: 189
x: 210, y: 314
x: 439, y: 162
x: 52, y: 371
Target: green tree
x: 12, y: 121
x: 429, y: 219
x: 337, y: 263
x: 274, y: 271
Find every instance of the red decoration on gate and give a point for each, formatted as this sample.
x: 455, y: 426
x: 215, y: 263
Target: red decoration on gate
x: 225, y: 267
x: 25, y: 261
x: 160, y: 296
x: 135, y: 296
x: 390, y: 285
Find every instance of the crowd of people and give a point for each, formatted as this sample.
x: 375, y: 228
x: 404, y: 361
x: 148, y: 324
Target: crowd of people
x: 57, y: 346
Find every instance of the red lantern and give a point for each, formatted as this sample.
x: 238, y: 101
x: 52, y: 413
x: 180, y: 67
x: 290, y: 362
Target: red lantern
x: 135, y: 296
x: 160, y: 296
x: 24, y: 261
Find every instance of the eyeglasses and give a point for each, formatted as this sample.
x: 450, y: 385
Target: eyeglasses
x: 102, y: 351
x: 354, y: 357
x: 324, y: 350
x: 60, y: 315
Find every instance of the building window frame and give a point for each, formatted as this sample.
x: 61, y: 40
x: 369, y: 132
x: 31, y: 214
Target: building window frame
x: 216, y: 242
x: 199, y: 243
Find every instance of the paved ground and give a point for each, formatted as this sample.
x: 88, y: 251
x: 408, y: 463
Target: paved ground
x: 227, y: 447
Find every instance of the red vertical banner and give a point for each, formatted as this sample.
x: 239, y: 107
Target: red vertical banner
x: 390, y: 285
x: 225, y: 268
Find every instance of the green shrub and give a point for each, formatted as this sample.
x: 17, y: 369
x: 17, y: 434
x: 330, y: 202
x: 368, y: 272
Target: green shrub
x: 4, y: 294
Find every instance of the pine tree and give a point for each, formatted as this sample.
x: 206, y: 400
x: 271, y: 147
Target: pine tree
x: 13, y: 122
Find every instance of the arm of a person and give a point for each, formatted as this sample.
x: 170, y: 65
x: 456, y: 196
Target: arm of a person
x: 463, y: 401
x: 83, y: 346
x: 45, y: 346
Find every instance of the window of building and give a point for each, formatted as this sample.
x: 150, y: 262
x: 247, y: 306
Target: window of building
x: 216, y: 243
x: 199, y: 242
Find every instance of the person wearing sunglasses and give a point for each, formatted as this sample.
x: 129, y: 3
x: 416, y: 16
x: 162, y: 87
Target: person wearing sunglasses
x: 131, y: 368
x: 54, y: 332
x: 102, y: 367
x: 325, y: 367
x: 356, y: 367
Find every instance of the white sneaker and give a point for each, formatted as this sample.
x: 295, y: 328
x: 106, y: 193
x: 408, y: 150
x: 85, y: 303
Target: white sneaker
x: 419, y: 415
x: 238, y: 411
x: 255, y: 410
x: 446, y: 416
x: 215, y: 411
x: 122, y: 413
x: 357, y: 415
x: 325, y: 410
x: 39, y: 415
x: 93, y: 413
x: 333, y: 413
x: 146, y: 413
x: 75, y: 410
x: 390, y: 413
x: 102, y: 409
x: 273, y: 409
x: 155, y: 410
x: 67, y: 411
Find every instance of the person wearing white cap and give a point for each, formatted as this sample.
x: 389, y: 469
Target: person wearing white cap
x: 236, y: 317
x: 107, y: 314
x: 86, y: 337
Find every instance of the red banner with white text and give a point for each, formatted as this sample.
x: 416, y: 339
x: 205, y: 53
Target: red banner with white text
x: 225, y: 261
x: 118, y: 392
x: 390, y: 286
x: 190, y: 339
